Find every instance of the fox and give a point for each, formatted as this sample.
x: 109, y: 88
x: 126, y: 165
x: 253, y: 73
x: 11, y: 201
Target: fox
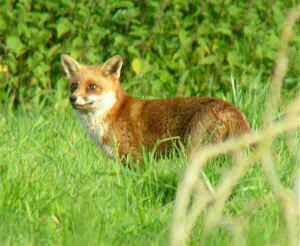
x: 123, y: 126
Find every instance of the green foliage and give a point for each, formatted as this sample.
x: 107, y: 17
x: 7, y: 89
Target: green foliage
x: 176, y: 47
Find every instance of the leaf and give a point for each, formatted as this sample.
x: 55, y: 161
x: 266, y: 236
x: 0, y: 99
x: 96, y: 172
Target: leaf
x: 76, y: 53
x: 3, y: 24
x: 209, y: 59
x: 118, y: 40
x: 3, y: 68
x: 224, y: 29
x: 63, y: 26
x: 53, y: 50
x: 165, y: 77
x: 78, y: 42
x: 41, y: 72
x: 137, y: 65
x: 13, y: 42
x: 185, y: 39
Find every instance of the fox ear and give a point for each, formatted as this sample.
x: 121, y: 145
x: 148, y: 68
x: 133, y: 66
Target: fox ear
x: 70, y: 65
x: 113, y: 66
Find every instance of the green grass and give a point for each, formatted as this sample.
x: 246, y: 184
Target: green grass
x: 57, y: 189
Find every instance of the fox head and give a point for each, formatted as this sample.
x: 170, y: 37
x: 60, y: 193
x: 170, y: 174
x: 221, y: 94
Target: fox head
x: 93, y: 87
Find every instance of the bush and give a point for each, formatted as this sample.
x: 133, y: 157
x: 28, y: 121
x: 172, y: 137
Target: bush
x: 176, y: 47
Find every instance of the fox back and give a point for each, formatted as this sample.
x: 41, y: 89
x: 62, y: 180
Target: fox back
x: 123, y: 126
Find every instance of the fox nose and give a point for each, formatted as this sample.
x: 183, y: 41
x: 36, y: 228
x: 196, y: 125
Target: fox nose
x: 73, y: 99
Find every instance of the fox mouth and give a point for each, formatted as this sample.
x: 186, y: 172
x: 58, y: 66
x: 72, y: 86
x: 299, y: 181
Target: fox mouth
x: 85, y: 106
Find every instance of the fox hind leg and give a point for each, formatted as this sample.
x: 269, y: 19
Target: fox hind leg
x: 204, y: 129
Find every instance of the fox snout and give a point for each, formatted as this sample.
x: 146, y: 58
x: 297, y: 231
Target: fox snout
x: 80, y: 103
x: 73, y: 99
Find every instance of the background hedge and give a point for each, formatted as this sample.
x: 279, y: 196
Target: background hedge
x: 170, y: 47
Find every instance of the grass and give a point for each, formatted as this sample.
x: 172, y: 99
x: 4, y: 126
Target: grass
x: 57, y: 189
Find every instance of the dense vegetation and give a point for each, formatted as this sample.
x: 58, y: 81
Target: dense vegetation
x: 170, y: 47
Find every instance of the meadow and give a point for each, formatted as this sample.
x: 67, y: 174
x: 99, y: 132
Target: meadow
x: 57, y: 189
x: 55, y: 186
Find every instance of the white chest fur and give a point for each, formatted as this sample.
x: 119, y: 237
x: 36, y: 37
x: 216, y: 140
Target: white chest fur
x: 93, y: 120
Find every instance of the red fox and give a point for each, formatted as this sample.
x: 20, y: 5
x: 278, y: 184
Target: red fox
x: 123, y: 126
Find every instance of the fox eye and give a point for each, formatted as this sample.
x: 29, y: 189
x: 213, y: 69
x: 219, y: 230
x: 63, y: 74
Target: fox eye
x: 73, y: 87
x: 92, y: 87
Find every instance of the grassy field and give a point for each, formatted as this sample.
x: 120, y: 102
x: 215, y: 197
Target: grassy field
x: 57, y: 189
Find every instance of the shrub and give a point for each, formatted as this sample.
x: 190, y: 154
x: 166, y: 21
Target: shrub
x: 176, y: 47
